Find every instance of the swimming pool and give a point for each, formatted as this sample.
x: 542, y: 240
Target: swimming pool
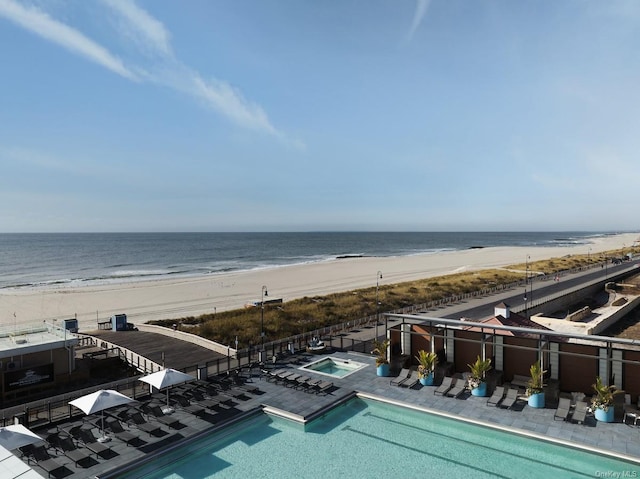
x: 334, y: 367
x: 370, y: 439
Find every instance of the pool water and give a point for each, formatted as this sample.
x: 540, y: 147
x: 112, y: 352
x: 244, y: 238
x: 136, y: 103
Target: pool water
x: 368, y: 439
x: 334, y: 367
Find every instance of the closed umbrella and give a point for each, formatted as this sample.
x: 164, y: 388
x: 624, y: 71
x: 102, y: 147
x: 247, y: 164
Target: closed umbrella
x: 16, y: 435
x: 99, y: 401
x: 164, y: 379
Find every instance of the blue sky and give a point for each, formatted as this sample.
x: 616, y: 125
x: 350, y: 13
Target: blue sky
x: 291, y: 115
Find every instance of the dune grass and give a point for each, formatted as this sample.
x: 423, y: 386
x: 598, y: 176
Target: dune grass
x: 309, y: 313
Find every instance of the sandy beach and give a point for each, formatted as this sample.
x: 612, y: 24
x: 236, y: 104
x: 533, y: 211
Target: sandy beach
x: 174, y: 298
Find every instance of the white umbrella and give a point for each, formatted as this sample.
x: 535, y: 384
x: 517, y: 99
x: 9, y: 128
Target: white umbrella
x: 165, y: 379
x: 15, y: 436
x: 99, y: 401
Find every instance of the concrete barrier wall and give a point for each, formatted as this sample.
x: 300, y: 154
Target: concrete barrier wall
x: 613, y: 318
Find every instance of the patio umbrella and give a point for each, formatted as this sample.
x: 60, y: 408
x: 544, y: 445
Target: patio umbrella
x: 15, y: 436
x: 165, y: 379
x: 99, y: 401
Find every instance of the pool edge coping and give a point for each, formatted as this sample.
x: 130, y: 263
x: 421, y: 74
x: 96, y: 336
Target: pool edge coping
x: 512, y: 430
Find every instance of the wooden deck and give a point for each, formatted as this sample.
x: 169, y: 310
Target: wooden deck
x: 178, y: 354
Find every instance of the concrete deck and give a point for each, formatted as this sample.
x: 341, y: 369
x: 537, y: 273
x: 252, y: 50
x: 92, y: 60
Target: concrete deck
x: 617, y: 438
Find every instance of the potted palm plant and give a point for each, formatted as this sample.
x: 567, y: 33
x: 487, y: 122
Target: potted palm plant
x: 602, y: 400
x: 382, y: 361
x: 476, y: 380
x: 426, y: 365
x: 535, y: 387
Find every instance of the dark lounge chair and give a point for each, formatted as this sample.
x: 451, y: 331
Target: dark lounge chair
x: 186, y: 406
x: 397, y: 381
x: 510, y: 398
x: 447, y: 383
x: 580, y: 412
x: 323, y: 387
x: 70, y: 450
x: 562, y: 411
x: 141, y: 423
x: 496, y: 397
x: 45, y: 461
x: 166, y: 420
x: 411, y: 381
x: 458, y: 388
x: 121, y: 433
x: 91, y: 442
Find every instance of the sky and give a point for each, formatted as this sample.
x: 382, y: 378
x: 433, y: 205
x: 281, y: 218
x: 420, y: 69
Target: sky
x: 337, y: 115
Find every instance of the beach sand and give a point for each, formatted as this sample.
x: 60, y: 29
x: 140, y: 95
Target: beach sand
x: 175, y: 298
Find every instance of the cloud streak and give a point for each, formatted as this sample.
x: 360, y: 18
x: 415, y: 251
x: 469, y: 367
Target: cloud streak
x: 147, y: 32
x: 421, y: 10
x: 38, y: 22
x: 151, y: 38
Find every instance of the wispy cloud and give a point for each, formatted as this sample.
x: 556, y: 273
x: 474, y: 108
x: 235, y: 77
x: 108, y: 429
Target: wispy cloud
x: 40, y: 23
x: 151, y: 38
x: 139, y: 26
x: 421, y: 10
x: 151, y: 34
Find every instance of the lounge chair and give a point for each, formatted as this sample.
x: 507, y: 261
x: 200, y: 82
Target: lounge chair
x: 562, y: 411
x: 458, y: 388
x: 70, y: 450
x: 404, y: 374
x: 169, y: 421
x: 291, y: 379
x: 186, y: 406
x: 141, y: 423
x: 496, y: 397
x: 45, y: 461
x: 411, y: 381
x: 115, y: 426
x: 447, y: 383
x: 91, y: 442
x: 580, y: 412
x: 323, y: 387
x: 510, y: 398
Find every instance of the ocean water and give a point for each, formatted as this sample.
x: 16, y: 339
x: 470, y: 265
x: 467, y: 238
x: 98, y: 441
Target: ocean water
x: 52, y: 260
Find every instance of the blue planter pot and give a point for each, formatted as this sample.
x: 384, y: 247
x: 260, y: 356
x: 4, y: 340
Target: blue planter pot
x: 383, y: 370
x: 604, y: 416
x: 480, y: 391
x: 536, y: 400
x: 428, y: 381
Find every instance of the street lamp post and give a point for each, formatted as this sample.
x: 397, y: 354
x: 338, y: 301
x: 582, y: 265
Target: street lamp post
x: 378, y: 278
x: 264, y: 293
x: 526, y: 281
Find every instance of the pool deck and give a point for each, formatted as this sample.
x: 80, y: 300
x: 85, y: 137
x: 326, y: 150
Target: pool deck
x: 617, y: 438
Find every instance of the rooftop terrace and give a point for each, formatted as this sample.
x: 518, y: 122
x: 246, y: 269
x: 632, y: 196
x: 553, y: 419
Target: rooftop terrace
x: 617, y: 438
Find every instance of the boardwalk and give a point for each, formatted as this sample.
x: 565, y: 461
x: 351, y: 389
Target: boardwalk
x: 178, y: 354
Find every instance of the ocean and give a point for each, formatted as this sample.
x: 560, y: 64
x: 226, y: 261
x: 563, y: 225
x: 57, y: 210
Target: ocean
x: 75, y: 259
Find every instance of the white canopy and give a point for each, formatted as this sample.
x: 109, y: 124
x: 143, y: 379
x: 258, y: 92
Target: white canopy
x: 15, y: 436
x: 99, y: 401
x: 165, y: 379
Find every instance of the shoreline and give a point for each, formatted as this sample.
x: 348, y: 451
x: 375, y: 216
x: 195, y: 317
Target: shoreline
x: 171, y: 298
